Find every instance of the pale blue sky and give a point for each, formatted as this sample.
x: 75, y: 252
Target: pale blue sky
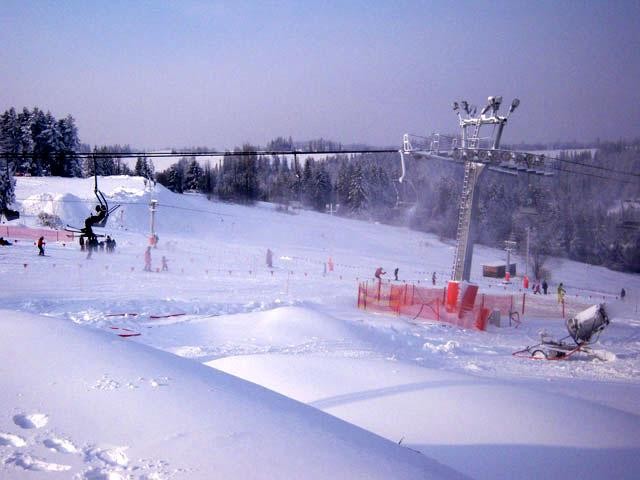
x: 180, y: 73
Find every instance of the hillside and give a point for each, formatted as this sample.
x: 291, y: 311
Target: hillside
x: 158, y: 405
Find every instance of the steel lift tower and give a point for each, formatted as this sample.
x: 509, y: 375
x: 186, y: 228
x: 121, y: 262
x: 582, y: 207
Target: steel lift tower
x: 476, y: 153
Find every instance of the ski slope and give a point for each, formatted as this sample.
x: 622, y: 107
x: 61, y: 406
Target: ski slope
x: 334, y: 391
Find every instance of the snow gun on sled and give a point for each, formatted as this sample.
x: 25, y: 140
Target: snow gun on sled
x: 584, y: 330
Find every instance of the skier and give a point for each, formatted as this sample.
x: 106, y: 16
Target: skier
x: 82, y: 243
x: 622, y: 294
x: 165, y: 267
x: 92, y: 220
x: 433, y: 278
x: 91, y: 244
x: 545, y: 286
x: 269, y: 258
x: 4, y: 242
x: 41, y: 244
x: 379, y: 273
x: 395, y: 274
x: 147, y: 259
x: 561, y: 293
x: 536, y: 287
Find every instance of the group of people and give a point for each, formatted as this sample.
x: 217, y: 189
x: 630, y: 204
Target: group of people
x: 538, y: 287
x: 380, y: 271
x: 147, y: 261
x: 91, y: 244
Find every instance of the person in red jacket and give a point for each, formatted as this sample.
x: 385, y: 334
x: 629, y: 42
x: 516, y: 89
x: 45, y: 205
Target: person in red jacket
x: 379, y: 273
x: 147, y: 259
x: 41, y: 244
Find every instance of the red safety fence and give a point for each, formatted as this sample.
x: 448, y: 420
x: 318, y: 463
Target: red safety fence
x: 466, y: 309
x: 419, y: 303
x: 13, y: 233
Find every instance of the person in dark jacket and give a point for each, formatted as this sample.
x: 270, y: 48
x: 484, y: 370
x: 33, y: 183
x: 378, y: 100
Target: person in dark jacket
x: 395, y: 274
x: 545, y: 286
x: 41, y: 244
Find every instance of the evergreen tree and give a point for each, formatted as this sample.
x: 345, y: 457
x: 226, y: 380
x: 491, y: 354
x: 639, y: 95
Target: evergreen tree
x: 343, y: 184
x: 194, y: 178
x: 175, y: 178
x: 358, y: 195
x: 321, y: 191
x: 67, y: 144
x: 7, y: 184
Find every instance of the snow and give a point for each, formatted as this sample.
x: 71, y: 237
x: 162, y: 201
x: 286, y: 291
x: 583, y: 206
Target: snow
x: 335, y: 391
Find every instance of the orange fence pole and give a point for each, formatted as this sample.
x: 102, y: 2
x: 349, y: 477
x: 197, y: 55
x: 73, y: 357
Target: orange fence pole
x: 366, y: 288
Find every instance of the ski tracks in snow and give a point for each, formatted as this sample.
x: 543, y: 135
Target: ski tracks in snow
x: 39, y: 450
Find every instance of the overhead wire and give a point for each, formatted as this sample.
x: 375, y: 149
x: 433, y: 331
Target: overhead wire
x: 597, y: 167
x: 135, y: 204
x: 256, y: 153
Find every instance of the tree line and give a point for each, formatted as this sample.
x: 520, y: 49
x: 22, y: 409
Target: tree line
x: 575, y: 213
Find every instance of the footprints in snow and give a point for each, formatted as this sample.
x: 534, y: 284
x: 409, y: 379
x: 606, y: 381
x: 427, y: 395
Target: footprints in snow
x: 108, y: 383
x: 35, y: 420
x: 10, y: 440
x: 101, y: 462
x: 60, y: 445
x: 27, y: 462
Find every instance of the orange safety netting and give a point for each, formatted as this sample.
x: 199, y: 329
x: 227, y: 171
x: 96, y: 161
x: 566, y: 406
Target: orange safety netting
x: 12, y: 233
x: 419, y: 303
x: 465, y: 310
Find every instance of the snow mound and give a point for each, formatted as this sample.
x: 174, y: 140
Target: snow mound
x: 248, y: 431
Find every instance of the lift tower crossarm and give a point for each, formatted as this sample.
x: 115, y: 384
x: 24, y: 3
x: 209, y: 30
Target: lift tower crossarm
x: 475, y: 153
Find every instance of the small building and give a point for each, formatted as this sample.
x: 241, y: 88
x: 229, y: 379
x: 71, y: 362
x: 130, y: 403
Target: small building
x: 497, y: 269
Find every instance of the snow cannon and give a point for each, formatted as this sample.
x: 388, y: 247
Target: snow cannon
x: 588, y: 323
x: 584, y: 329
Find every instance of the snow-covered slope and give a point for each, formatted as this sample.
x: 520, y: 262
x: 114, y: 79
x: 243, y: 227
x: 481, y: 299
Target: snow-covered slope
x: 109, y: 408
x: 151, y: 406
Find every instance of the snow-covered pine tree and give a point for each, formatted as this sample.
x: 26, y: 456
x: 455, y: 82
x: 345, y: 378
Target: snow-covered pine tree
x: 194, y: 176
x: 26, y: 141
x: 67, y: 146
x: 7, y: 183
x: 358, y: 193
x: 343, y: 183
x: 321, y: 191
x: 175, y: 178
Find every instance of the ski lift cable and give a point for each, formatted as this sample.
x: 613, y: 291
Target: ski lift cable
x: 135, y: 204
x: 255, y: 153
x: 588, y: 174
x: 598, y: 167
x: 299, y: 152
